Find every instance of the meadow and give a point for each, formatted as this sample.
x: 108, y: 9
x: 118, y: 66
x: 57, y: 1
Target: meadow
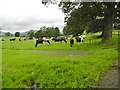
x: 57, y: 65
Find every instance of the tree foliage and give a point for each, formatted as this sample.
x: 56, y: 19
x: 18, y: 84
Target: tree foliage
x: 0, y: 30
x: 91, y: 16
x: 17, y: 34
x: 47, y: 32
x: 31, y: 33
x: 7, y: 34
x: 94, y: 17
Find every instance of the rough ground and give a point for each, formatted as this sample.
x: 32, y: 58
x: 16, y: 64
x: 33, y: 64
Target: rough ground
x: 110, y: 79
x: 58, y: 52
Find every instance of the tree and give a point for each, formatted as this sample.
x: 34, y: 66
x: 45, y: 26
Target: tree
x: 56, y: 31
x: 67, y: 30
x: 0, y: 30
x: 86, y: 13
x: 38, y: 34
x: 41, y: 32
x: 117, y: 26
x: 47, y: 32
x: 17, y: 34
x: 90, y: 11
x: 31, y: 33
x: 7, y: 34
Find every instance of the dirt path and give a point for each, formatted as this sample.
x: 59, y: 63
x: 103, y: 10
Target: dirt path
x: 58, y: 52
x: 110, y: 80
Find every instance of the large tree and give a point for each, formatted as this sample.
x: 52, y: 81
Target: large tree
x: 86, y: 14
x: 17, y: 34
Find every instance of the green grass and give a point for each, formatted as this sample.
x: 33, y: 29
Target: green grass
x: 56, y: 65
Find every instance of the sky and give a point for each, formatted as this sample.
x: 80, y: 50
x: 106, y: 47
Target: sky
x: 25, y: 15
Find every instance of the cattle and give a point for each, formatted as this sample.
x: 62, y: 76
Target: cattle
x: 79, y: 39
x: 83, y: 36
x: 13, y: 39
x: 19, y: 39
x: 60, y: 39
x: 30, y: 38
x: 71, y: 42
x: 41, y: 40
x: 25, y: 39
x: 3, y: 40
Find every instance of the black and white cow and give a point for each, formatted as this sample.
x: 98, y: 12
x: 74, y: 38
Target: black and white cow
x: 41, y: 40
x: 80, y: 39
x: 20, y: 39
x: 59, y: 39
x: 25, y: 39
x: 12, y: 39
x: 71, y: 42
x: 30, y: 38
x: 3, y: 40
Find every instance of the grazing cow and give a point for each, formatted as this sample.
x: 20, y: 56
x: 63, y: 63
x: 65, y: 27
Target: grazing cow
x: 71, y: 42
x: 30, y: 38
x: 13, y: 39
x: 59, y: 39
x: 19, y: 39
x: 79, y: 39
x: 41, y: 40
x: 25, y: 39
x: 83, y: 36
x: 68, y: 38
x: 3, y: 40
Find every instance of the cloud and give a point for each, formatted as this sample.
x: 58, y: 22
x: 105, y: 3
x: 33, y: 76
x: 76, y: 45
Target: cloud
x: 22, y: 15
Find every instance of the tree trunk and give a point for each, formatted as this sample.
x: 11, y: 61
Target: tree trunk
x: 108, y: 23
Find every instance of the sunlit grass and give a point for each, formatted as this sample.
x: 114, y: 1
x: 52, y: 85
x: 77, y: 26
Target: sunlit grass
x: 57, y: 65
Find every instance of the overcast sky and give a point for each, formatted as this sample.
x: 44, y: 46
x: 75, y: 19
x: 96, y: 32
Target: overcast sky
x: 24, y: 15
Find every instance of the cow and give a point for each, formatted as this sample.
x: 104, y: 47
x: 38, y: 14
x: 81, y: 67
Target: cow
x: 60, y: 39
x: 71, y: 42
x: 19, y: 39
x: 30, y: 38
x: 25, y: 39
x: 83, y: 36
x: 13, y: 39
x: 3, y: 40
x: 41, y: 40
x: 79, y: 39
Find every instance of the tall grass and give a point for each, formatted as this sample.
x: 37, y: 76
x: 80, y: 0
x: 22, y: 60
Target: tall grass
x: 57, y: 65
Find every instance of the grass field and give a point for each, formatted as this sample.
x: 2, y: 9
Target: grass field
x: 57, y: 65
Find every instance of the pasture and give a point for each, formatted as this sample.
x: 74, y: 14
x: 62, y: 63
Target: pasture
x: 57, y: 65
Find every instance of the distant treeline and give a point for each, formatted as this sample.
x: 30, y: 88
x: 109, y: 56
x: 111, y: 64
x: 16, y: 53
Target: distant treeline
x: 42, y: 32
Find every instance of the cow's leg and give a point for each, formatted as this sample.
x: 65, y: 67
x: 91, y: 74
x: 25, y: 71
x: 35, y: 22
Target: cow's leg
x: 36, y: 44
x: 65, y: 41
x: 48, y: 41
x: 81, y: 41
